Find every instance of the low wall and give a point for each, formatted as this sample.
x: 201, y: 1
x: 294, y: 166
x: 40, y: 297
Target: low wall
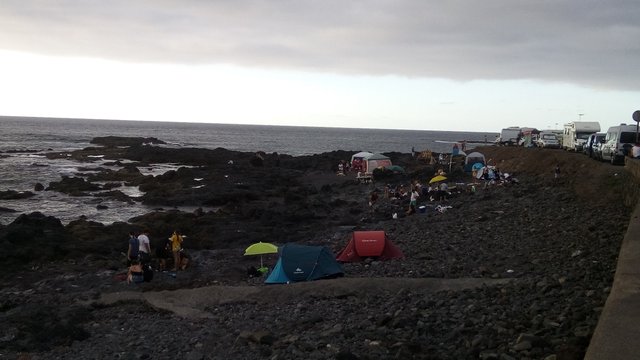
x: 632, y: 188
x: 618, y: 330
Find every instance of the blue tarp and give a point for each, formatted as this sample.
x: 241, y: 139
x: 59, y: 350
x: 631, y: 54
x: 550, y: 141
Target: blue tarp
x: 304, y: 263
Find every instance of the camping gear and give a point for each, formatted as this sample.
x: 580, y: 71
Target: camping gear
x: 366, y: 162
x: 374, y: 161
x: 304, y: 263
x: 357, y: 160
x: 472, y: 159
x: 361, y: 155
x: 147, y: 273
x: 261, y: 248
x: 369, y: 244
x: 395, y: 168
x: 437, y: 178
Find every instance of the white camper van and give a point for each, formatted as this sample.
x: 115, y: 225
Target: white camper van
x: 576, y: 133
x: 509, y: 136
x: 617, y: 141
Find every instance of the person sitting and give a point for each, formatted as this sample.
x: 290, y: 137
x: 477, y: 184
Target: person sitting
x: 185, y: 260
x: 443, y: 191
x: 635, y: 151
x: 373, y: 198
x: 253, y: 272
x: 135, y: 274
x: 402, y: 192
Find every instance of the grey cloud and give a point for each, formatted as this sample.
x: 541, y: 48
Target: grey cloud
x: 590, y: 43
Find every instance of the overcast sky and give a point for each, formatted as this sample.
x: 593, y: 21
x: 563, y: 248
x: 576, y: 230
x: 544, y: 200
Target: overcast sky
x: 431, y: 65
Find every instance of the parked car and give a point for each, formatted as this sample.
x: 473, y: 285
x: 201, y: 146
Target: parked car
x: 591, y: 141
x: 548, y: 140
x: 596, y: 148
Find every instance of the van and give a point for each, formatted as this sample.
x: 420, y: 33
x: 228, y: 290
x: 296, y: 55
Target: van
x: 548, y: 140
x: 617, y: 142
x: 590, y: 145
x: 509, y: 136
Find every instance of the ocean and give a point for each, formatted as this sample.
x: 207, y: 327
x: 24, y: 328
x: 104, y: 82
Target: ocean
x: 25, y: 140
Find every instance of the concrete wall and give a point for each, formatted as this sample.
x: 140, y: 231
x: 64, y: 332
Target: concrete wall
x: 617, y: 335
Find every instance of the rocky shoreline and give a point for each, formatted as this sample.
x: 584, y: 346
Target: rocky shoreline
x: 538, y: 257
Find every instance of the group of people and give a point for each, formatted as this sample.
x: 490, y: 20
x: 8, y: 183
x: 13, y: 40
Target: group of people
x: 139, y: 255
x: 433, y: 192
x: 343, y: 167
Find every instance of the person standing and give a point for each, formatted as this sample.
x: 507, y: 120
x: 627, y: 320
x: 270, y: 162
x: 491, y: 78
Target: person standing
x: 145, y: 247
x: 413, y: 201
x: 163, y: 253
x: 134, y: 248
x: 176, y: 247
x: 556, y: 172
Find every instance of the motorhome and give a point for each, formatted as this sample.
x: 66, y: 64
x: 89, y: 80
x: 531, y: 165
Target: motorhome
x: 509, y: 136
x: 576, y: 133
x: 617, y: 142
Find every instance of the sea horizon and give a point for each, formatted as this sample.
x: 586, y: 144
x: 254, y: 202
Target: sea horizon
x: 234, y: 124
x: 21, y: 131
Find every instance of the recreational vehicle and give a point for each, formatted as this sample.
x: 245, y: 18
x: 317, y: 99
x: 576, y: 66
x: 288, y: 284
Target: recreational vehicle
x: 576, y: 133
x: 617, y: 142
x: 509, y: 136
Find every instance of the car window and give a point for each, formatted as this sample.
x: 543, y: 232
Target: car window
x: 628, y: 137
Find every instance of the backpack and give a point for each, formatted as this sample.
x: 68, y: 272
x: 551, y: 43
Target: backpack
x: 135, y: 247
x: 147, y: 273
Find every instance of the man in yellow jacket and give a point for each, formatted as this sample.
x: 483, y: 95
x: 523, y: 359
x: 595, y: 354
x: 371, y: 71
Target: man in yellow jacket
x: 176, y: 247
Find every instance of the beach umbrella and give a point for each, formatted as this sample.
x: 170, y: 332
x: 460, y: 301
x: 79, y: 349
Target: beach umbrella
x: 261, y: 248
x: 437, y: 178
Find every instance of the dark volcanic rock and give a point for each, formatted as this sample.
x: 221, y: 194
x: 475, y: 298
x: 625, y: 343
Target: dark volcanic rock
x: 112, y: 141
x: 115, y: 195
x: 41, y: 327
x: 73, y: 186
x: 555, y: 255
x: 34, y: 237
x: 15, y: 195
x: 129, y: 173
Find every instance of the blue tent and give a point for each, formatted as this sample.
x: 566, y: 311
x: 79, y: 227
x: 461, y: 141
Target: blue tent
x: 304, y: 263
x: 473, y: 159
